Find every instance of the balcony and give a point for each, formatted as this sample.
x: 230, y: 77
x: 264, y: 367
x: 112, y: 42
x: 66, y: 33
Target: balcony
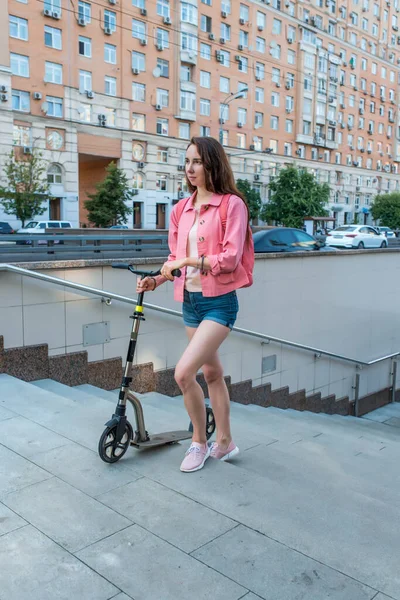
x: 189, y: 57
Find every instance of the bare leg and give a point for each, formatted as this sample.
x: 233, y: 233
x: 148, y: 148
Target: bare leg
x: 203, y: 345
x: 219, y: 397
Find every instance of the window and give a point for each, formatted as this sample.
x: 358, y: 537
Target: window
x: 85, y: 112
x: 138, y: 61
x: 49, y: 4
x: 186, y: 73
x: 260, y: 44
x: 289, y: 104
x: 111, y: 115
x: 244, y: 12
x: 306, y: 128
x: 85, y: 81
x: 242, y: 116
x: 84, y: 11
x: 139, y: 92
x: 259, y: 95
x: 291, y: 57
x: 138, y: 3
x: 276, y: 76
x: 243, y: 65
x: 225, y: 31
x: 188, y: 101
x: 290, y: 80
x: 260, y: 71
x: 161, y: 183
x: 54, y: 106
x: 275, y: 99
x: 184, y: 131
x: 274, y: 122
x: 18, y: 28
x: 276, y: 52
x: 138, y: 122
x: 188, y: 13
x: 188, y: 42
x: 257, y: 141
x: 287, y: 149
x: 110, y: 54
x: 19, y: 65
x: 162, y: 97
x: 137, y: 181
x: 162, y: 155
x: 163, y: 38
x: 20, y: 100
x: 110, y: 86
x: 138, y: 29
x: 163, y: 65
x: 53, y: 73
x: 54, y: 174
x: 226, y: 6
x: 21, y: 135
x: 258, y: 120
x: 163, y: 8
x: 162, y: 128
x: 205, y: 79
x: 261, y: 20
x: 289, y: 126
x: 205, y: 107
x: 244, y: 38
x: 52, y: 37
x: 308, y: 83
x: 85, y: 46
x: 205, y: 51
x: 224, y: 85
x: 276, y: 27
x: 204, y: 131
x: 206, y: 23
x: 110, y: 20
x: 224, y: 112
x: 241, y: 140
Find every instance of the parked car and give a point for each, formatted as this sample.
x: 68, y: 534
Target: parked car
x: 285, y: 239
x: 40, y: 226
x: 356, y: 236
x: 6, y: 228
x: 119, y: 227
x: 386, y: 231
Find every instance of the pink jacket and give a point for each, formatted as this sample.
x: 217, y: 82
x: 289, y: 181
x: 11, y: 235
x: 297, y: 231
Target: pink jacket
x: 223, y: 251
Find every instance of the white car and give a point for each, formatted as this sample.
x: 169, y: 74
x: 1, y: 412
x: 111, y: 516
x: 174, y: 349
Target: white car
x: 386, y: 231
x: 39, y: 227
x: 356, y: 236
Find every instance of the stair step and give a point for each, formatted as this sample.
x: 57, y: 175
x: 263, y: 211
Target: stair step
x: 65, y: 391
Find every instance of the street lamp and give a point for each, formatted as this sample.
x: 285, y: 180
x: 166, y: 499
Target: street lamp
x: 240, y: 94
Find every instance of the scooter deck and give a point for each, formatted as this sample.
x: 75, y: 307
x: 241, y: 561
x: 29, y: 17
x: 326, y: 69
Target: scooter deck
x: 160, y: 439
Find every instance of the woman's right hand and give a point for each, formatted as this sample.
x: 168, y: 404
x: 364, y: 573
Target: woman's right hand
x: 147, y: 284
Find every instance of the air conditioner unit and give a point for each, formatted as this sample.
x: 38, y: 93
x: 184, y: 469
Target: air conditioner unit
x: 211, y: 36
x: 355, y: 88
x: 240, y: 124
x: 395, y: 28
x: 143, y: 12
x: 288, y: 111
x: 224, y: 14
x: 355, y: 163
x: 102, y: 120
x: 167, y: 20
x: 56, y: 15
x: 258, y: 78
x: 181, y: 195
x: 252, y: 147
x: 135, y: 192
x: 241, y: 47
x: 89, y: 94
x: 112, y: 2
x: 219, y: 56
x: 361, y: 111
x: 260, y: 28
x: 107, y: 30
x: 3, y: 89
x: 143, y: 42
x: 242, y: 21
x: 362, y: 150
x: 140, y: 165
x: 277, y: 84
x: 351, y: 147
x: 222, y: 40
x: 349, y: 127
x: 290, y: 40
x: 298, y: 152
x: 27, y: 150
x: 37, y: 96
x: 344, y: 63
x: 342, y: 105
x: 181, y: 167
x: 47, y: 13
x: 160, y: 47
x: 287, y: 85
x: 332, y: 123
x: 158, y: 107
x: 82, y: 21
x: 135, y: 71
x: 369, y: 151
x: 382, y: 99
x: 3, y: 97
x: 342, y: 125
x: 238, y: 58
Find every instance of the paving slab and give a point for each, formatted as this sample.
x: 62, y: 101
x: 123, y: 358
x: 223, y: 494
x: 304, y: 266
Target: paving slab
x: 393, y: 421
x: 9, y: 521
x: 17, y: 472
x: 83, y: 469
x: 148, y: 568
x: 383, y: 413
x: 6, y: 413
x: 182, y: 522
x: 27, y: 438
x: 121, y: 596
x: 65, y: 391
x: 33, y: 567
x: 273, y: 571
x: 66, y: 515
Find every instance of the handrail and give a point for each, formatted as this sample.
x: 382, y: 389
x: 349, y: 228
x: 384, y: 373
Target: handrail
x: 107, y: 296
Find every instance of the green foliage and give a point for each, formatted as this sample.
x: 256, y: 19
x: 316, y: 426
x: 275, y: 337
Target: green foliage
x: 26, y: 192
x: 386, y: 208
x: 295, y: 194
x: 252, y: 197
x: 108, y: 205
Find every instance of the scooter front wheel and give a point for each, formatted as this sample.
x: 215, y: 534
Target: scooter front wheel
x: 210, y: 423
x: 109, y: 449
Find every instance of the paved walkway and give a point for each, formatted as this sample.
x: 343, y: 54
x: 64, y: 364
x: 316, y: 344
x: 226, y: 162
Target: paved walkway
x: 309, y: 510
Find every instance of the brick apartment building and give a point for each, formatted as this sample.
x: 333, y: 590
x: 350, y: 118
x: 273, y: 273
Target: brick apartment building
x: 89, y: 82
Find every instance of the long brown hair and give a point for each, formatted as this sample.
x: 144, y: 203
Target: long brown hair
x: 217, y: 170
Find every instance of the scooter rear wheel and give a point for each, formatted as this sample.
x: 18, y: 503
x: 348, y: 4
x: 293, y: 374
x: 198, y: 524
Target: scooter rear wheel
x: 210, y: 423
x: 111, y: 451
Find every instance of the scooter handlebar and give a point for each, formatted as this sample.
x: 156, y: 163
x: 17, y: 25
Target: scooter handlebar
x: 175, y: 272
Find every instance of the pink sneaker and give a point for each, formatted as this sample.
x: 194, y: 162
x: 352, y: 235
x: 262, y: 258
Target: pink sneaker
x: 220, y: 454
x: 195, y: 457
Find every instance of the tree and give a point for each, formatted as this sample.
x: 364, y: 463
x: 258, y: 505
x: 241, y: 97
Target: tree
x: 26, y: 192
x: 108, y: 205
x: 386, y: 208
x: 295, y: 194
x: 252, y: 197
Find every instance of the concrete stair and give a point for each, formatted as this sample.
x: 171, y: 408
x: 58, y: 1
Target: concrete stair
x: 309, y: 510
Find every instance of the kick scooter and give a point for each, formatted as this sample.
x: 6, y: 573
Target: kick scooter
x: 118, y: 434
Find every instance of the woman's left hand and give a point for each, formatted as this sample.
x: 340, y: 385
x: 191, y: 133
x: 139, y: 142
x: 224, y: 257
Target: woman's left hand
x: 168, y: 267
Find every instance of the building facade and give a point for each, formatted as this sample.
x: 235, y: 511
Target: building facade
x: 89, y: 82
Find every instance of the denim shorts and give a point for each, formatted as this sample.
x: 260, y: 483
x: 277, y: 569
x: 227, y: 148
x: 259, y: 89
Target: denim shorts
x: 221, y: 309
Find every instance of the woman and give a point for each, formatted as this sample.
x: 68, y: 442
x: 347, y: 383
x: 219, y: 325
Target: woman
x: 209, y: 254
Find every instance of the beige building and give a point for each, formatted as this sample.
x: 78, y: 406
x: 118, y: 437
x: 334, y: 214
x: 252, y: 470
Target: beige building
x: 133, y: 80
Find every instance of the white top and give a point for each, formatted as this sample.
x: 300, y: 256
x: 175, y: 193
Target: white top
x: 193, y: 279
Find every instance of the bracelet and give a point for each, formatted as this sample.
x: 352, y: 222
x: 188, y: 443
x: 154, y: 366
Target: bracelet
x: 155, y: 283
x: 198, y: 263
x: 202, y: 263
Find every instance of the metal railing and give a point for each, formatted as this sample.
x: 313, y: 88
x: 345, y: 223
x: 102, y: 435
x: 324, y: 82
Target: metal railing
x: 107, y: 297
